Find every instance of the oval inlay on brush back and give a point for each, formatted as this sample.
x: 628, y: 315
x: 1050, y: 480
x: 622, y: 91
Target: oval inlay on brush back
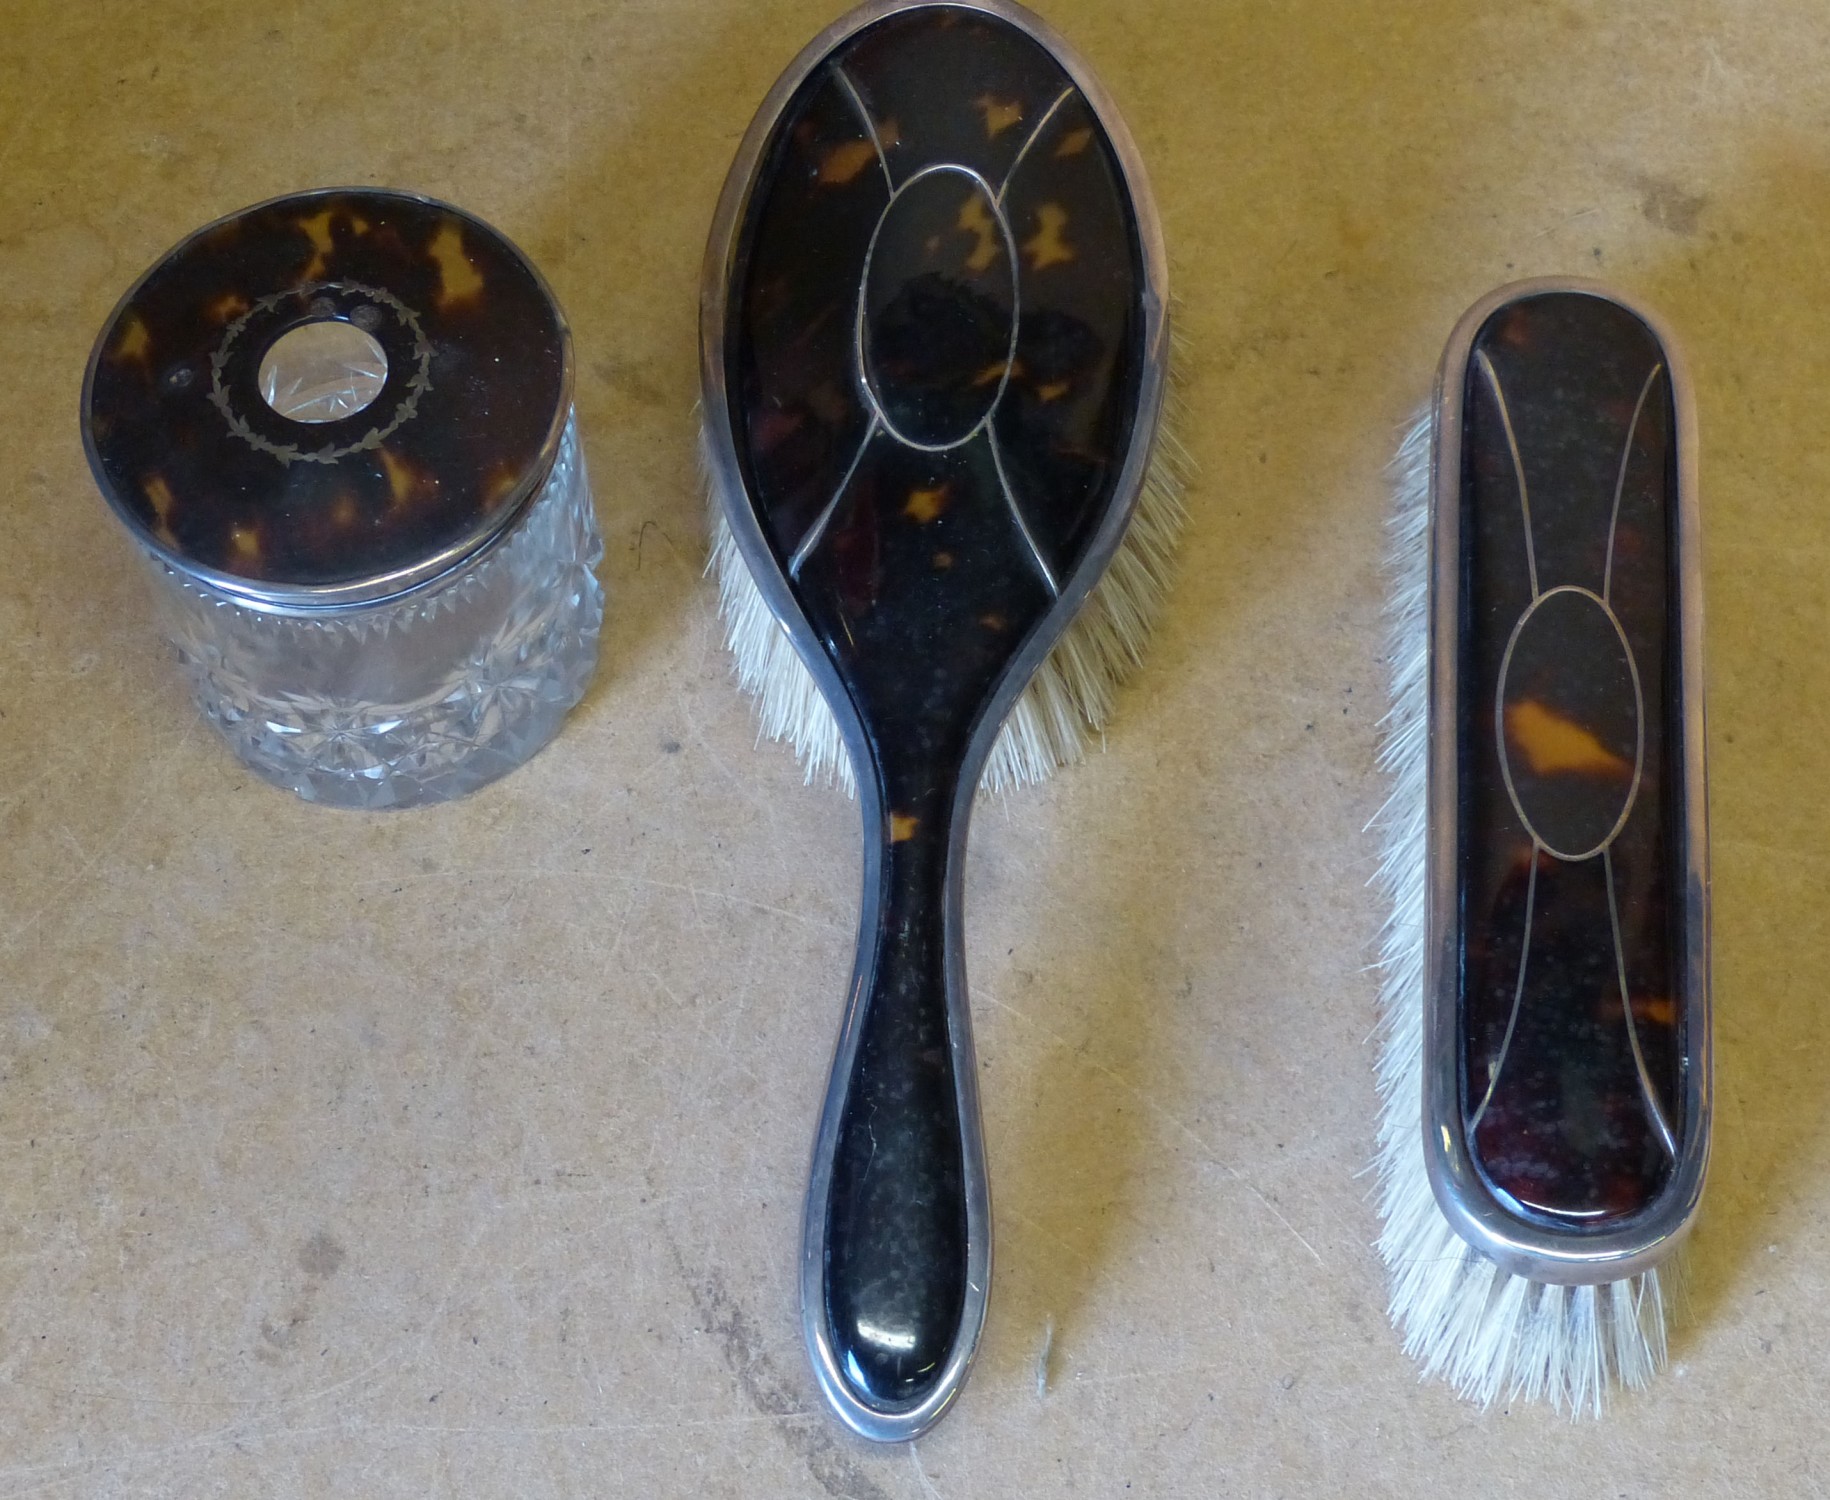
x: 1571, y: 810
x: 1567, y: 721
x: 937, y: 319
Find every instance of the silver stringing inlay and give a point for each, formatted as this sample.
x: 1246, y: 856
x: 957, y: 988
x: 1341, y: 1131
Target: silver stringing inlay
x: 1639, y: 723
x: 1010, y: 353
x: 1654, y: 1106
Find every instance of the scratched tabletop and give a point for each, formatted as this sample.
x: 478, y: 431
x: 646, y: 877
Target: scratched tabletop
x: 460, y: 1152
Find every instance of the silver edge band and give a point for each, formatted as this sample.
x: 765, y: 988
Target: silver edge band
x: 901, y: 1423
x: 1518, y: 1245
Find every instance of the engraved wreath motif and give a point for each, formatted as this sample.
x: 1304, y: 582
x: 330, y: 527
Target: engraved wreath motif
x: 328, y: 294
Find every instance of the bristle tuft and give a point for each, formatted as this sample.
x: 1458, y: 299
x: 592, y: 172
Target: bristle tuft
x: 788, y: 704
x: 1493, y: 1336
x: 1069, y: 700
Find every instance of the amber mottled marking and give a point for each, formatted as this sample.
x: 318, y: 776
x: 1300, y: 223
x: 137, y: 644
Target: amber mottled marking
x: 227, y: 307
x: 458, y: 278
x: 999, y: 114
x: 1659, y: 1011
x: 924, y: 505
x: 245, y: 544
x: 406, y: 480
x: 903, y: 827
x: 841, y: 164
x: 993, y: 373
x: 317, y: 230
x: 1513, y: 329
x: 1553, y: 744
x: 1047, y: 246
x: 1053, y: 391
x: 993, y: 621
x: 975, y: 221
x: 343, y: 511
x: 160, y: 494
x: 134, y: 346
x: 1074, y: 142
x: 943, y: 560
x: 502, y: 480
x: 883, y: 135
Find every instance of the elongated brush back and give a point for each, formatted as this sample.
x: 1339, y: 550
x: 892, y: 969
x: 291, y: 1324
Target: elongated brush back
x: 1067, y: 703
x: 1490, y: 1334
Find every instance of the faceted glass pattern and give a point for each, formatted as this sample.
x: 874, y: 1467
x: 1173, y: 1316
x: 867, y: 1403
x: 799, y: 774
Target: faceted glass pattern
x: 416, y: 699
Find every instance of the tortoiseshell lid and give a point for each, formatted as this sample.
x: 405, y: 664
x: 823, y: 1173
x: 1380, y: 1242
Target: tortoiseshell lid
x: 463, y: 430
x: 1571, y: 796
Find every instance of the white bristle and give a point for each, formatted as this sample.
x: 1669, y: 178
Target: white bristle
x: 1067, y: 702
x: 1490, y: 1334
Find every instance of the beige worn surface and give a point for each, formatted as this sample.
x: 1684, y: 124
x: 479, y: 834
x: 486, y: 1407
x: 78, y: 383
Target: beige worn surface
x: 459, y: 1152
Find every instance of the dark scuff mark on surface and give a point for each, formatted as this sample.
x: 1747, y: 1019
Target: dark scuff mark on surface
x: 772, y: 1393
x: 321, y: 1255
x: 1666, y: 205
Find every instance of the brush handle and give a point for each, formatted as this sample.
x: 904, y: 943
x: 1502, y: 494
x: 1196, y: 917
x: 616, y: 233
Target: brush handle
x: 897, y: 1232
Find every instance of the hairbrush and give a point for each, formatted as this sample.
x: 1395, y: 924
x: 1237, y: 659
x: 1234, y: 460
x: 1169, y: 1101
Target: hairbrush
x: 934, y: 346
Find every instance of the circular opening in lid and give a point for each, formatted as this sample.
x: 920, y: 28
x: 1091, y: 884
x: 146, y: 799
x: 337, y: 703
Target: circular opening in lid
x: 322, y: 371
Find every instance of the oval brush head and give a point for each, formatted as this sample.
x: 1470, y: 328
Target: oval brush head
x: 934, y: 348
x: 1067, y: 702
x: 1546, y: 968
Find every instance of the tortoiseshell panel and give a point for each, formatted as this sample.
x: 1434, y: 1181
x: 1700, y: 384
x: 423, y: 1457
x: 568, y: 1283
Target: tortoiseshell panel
x: 947, y: 85
x: 803, y: 408
x: 1058, y: 429
x: 1570, y: 806
x: 463, y: 428
x: 934, y: 361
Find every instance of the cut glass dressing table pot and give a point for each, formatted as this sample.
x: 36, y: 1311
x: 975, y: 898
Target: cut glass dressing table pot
x: 338, y: 427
